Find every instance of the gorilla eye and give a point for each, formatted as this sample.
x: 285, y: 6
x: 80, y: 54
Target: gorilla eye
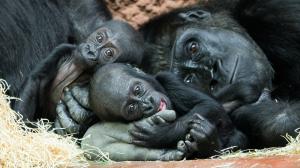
x: 188, y: 79
x: 137, y: 90
x: 109, y: 52
x: 193, y: 47
x: 100, y: 37
x: 132, y: 108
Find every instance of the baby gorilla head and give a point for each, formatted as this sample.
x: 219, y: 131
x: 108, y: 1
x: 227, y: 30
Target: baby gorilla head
x: 120, y: 92
x: 114, y: 41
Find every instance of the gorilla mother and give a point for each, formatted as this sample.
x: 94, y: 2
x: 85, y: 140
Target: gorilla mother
x: 226, y: 48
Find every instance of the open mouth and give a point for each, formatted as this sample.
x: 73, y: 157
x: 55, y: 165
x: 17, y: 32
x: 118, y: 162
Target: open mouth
x: 162, y: 105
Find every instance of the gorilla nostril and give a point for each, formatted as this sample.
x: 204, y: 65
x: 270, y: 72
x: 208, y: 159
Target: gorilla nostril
x: 151, y: 100
x: 91, y: 53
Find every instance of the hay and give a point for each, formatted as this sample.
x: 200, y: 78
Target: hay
x: 21, y: 146
x: 292, y: 148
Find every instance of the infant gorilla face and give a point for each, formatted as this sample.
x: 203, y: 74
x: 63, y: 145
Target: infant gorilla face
x: 112, y: 42
x: 119, y: 92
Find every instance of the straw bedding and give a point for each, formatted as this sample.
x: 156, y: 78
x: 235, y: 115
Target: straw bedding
x: 22, y: 146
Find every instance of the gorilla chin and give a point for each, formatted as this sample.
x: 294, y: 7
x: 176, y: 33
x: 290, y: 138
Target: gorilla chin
x: 211, y: 58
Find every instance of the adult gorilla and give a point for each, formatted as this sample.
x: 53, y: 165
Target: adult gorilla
x: 29, y: 31
x: 220, y: 48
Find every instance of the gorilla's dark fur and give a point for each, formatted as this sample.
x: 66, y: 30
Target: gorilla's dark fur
x: 30, y: 29
x: 221, y: 47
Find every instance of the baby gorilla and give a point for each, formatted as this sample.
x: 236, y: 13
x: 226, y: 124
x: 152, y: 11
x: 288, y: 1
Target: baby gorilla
x: 122, y: 94
x: 69, y: 63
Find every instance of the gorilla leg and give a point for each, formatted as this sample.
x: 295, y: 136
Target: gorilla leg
x: 113, y: 137
x: 266, y: 122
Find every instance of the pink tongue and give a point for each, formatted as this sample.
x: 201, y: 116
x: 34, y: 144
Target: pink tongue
x: 162, y: 106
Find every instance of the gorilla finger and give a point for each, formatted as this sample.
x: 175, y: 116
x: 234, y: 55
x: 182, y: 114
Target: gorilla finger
x: 158, y: 120
x: 178, y: 155
x: 199, y: 117
x: 167, y: 115
x: 138, y: 135
x: 191, y: 146
x: 76, y: 111
x: 58, y: 128
x: 196, y: 126
x: 198, y: 136
x: 188, y: 137
x: 144, y: 127
x: 66, y: 122
x: 81, y: 94
x: 181, y: 146
x: 139, y: 143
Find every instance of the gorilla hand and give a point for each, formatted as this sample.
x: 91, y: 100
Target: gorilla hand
x: 237, y: 94
x: 72, y: 114
x: 147, y: 132
x: 202, y: 139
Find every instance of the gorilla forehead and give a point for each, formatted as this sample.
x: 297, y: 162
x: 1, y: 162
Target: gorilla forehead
x: 111, y: 80
x: 218, y: 41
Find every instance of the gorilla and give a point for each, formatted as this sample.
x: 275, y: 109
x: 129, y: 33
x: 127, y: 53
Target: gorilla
x: 233, y: 50
x: 120, y: 94
x: 30, y: 30
x: 70, y: 64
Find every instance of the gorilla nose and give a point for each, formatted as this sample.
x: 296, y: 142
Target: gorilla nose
x: 148, y: 106
x: 88, y: 52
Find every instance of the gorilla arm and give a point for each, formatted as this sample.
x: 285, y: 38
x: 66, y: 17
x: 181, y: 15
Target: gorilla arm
x: 38, y: 79
x: 189, y: 105
x: 59, y: 69
x: 113, y: 137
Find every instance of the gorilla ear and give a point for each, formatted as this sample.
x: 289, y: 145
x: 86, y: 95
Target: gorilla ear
x: 194, y: 15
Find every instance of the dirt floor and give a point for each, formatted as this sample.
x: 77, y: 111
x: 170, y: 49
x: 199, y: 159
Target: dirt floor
x: 136, y: 12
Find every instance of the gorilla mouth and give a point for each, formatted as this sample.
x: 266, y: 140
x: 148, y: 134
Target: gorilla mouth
x: 162, y: 105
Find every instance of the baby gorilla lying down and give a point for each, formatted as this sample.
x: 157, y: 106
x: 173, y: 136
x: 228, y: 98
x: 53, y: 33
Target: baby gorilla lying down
x: 70, y: 63
x: 120, y: 94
